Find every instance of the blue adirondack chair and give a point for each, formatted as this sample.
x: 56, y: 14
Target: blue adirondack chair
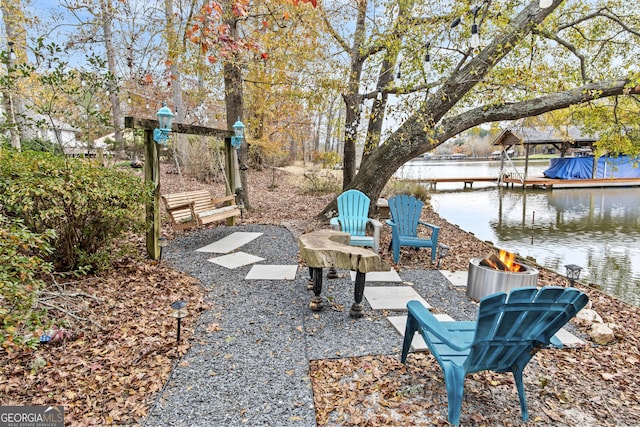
x: 509, y: 330
x: 405, y: 218
x: 353, y: 217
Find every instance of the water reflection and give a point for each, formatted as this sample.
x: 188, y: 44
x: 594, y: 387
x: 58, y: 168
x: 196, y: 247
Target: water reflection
x: 594, y: 228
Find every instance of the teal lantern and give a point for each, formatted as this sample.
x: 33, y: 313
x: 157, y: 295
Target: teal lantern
x: 165, y: 118
x: 238, y: 129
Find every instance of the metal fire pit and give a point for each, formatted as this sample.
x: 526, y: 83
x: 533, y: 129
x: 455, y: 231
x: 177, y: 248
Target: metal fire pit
x: 483, y: 281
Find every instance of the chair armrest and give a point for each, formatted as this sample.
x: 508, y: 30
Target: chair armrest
x: 375, y: 223
x: 335, y: 223
x: 431, y: 324
x: 377, y: 226
x: 231, y: 197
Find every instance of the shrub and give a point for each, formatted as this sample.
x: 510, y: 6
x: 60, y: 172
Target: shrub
x: 21, y: 266
x: 321, y: 183
x: 202, y: 157
x: 395, y: 187
x: 328, y: 159
x: 40, y: 144
x: 266, y: 155
x: 88, y: 206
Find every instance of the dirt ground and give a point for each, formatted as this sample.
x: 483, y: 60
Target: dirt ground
x: 118, y: 346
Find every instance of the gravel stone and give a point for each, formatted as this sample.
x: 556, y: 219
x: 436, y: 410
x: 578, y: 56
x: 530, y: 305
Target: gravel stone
x: 255, y: 369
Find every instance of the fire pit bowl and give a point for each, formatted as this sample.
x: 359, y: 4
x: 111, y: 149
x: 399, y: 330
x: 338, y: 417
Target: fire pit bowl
x: 483, y: 281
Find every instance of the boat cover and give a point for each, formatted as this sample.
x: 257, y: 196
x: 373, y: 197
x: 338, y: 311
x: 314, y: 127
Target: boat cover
x: 582, y: 168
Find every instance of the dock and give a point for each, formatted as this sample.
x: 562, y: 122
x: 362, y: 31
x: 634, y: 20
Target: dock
x: 467, y: 181
x: 548, y: 183
x: 536, y: 182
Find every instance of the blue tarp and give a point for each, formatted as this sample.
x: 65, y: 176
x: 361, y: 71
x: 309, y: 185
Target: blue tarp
x: 582, y: 168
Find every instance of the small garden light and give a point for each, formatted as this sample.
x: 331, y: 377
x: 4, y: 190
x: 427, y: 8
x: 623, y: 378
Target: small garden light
x: 443, y: 250
x: 165, y: 118
x: 179, y: 312
x: 162, y: 243
x: 475, y: 36
x: 12, y: 52
x: 573, y: 272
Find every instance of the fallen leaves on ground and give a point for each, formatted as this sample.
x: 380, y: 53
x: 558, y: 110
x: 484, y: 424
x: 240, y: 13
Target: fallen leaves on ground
x: 109, y: 367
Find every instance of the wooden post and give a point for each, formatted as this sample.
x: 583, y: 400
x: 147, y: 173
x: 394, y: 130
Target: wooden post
x: 230, y: 171
x: 152, y: 208
x: 229, y: 166
x: 526, y: 162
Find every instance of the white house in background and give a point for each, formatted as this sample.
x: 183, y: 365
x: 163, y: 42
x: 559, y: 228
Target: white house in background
x: 55, y: 131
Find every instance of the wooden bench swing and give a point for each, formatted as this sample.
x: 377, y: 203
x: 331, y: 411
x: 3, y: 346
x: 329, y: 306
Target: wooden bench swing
x: 196, y: 208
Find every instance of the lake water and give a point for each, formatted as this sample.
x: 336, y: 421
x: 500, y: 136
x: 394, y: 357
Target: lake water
x: 596, y: 228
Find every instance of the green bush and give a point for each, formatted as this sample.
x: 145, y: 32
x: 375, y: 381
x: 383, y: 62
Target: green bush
x: 21, y: 266
x: 88, y: 206
x: 40, y: 144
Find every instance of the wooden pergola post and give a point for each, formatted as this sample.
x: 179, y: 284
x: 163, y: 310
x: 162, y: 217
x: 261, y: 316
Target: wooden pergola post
x: 152, y: 207
x: 152, y: 170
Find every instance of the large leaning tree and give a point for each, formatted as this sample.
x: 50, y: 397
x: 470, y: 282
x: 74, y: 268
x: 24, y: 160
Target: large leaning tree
x: 533, y: 60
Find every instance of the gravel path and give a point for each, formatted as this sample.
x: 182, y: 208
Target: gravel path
x: 253, y: 368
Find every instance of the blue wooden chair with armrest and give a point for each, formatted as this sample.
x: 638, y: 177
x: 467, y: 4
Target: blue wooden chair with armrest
x: 508, y: 332
x: 404, y: 222
x: 353, y: 217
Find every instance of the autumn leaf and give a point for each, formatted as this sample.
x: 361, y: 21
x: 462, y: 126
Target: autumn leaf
x: 213, y: 327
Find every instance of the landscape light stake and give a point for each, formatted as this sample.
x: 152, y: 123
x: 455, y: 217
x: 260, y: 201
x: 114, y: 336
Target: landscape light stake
x: 573, y: 272
x: 162, y: 243
x: 443, y: 250
x: 179, y: 311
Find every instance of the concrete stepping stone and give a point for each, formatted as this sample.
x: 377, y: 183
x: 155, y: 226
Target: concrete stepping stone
x: 391, y: 297
x: 230, y: 243
x: 418, y: 344
x: 380, y: 276
x: 569, y: 340
x: 457, y: 278
x: 235, y: 260
x: 272, y: 272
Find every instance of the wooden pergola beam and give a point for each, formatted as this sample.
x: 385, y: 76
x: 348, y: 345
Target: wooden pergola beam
x: 138, y: 123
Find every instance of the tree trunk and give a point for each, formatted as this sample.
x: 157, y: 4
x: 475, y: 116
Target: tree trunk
x: 385, y: 80
x: 174, y: 69
x: 329, y: 128
x: 17, y: 43
x: 374, y: 130
x: 352, y: 98
x: 116, y: 112
x: 235, y: 103
x: 352, y: 120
